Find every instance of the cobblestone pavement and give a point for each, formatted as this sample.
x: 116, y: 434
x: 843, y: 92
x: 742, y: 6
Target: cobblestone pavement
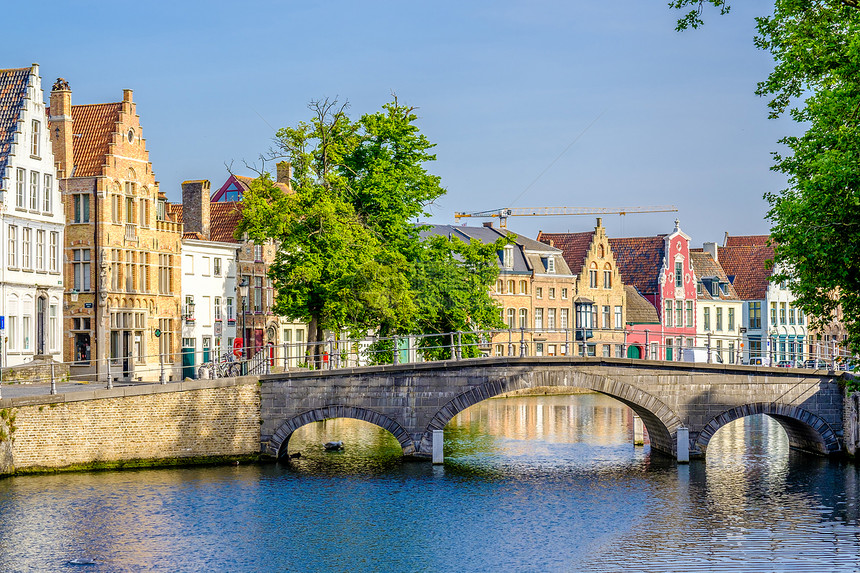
x: 19, y: 390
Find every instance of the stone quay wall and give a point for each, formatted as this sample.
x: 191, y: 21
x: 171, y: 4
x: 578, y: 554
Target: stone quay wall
x: 184, y: 422
x: 852, y: 425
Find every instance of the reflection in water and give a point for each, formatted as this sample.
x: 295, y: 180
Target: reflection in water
x: 548, y: 483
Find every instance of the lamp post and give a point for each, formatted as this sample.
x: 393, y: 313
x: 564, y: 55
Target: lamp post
x: 243, y: 293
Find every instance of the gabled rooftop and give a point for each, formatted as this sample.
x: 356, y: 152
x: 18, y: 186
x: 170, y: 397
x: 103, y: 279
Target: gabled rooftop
x: 639, y: 261
x: 13, y: 90
x: 748, y: 265
x: 574, y: 247
x: 93, y: 125
x: 706, y: 267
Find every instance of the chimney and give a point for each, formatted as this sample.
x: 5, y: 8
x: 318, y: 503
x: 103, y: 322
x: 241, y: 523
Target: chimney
x: 599, y: 221
x: 195, y: 207
x: 488, y: 224
x: 551, y: 243
x: 711, y: 249
x: 726, y: 239
x: 60, y: 124
x: 285, y: 172
x: 126, y: 96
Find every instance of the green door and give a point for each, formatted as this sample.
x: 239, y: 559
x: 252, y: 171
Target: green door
x: 668, y: 353
x: 188, y: 363
x: 633, y: 352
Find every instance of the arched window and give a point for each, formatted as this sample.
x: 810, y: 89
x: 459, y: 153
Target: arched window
x: 524, y: 318
x: 524, y: 287
x: 511, y: 317
x: 511, y: 289
x: 500, y: 285
x: 592, y: 275
x: 607, y: 275
x: 600, y: 251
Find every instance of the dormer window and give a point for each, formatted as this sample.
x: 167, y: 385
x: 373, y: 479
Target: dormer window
x: 715, y: 286
x: 549, y: 262
x: 700, y: 290
x: 508, y: 257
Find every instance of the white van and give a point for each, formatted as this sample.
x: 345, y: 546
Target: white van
x: 701, y: 355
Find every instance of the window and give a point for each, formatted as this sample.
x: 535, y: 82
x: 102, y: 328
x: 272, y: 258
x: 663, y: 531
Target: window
x: 258, y: 252
x: 565, y: 322
x: 53, y: 327
x: 791, y: 315
x: 607, y: 317
x: 25, y: 247
x: 773, y: 313
x: 550, y: 264
x: 115, y: 208
x: 144, y: 212
x: 230, y: 315
x: 524, y: 318
x: 129, y: 210
x: 550, y: 318
x: 679, y: 314
x: 48, y: 193
x: 217, y: 266
x: 511, y: 287
x: 699, y: 288
x: 731, y: 352
x: 552, y: 293
x: 129, y: 271
x: 508, y: 257
x: 564, y: 294
x: 538, y: 318
x: 13, y: 245
x: 607, y: 279
x: 500, y: 286
x: 511, y: 317
x: 25, y: 330
x: 13, y: 332
x: 82, y: 208
x: 188, y: 311
x: 81, y: 269
x: 667, y: 318
x: 731, y: 319
x: 679, y: 274
x: 20, y: 189
x: 40, y: 250
x: 165, y: 263
x: 619, y: 319
x: 782, y: 313
x: 539, y: 292
x: 144, y: 272
x: 707, y: 324
x: 690, y: 314
x: 584, y: 316
x: 54, y: 252
x: 754, y: 309
x: 592, y: 278
x: 37, y: 136
x: 258, y: 294
x: 719, y: 319
x: 34, y: 190
x: 217, y: 307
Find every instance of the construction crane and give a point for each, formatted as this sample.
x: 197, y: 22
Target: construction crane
x: 503, y: 214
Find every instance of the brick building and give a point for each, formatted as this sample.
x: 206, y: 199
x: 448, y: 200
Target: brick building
x: 600, y: 299
x: 121, y: 248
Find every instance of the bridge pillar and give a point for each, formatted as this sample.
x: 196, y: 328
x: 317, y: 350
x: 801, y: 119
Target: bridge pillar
x: 438, y: 439
x: 638, y: 431
x: 683, y: 446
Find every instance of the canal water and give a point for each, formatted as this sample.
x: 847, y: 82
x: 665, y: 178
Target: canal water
x: 530, y: 484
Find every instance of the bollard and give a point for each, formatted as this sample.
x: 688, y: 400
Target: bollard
x: 438, y: 440
x: 683, y: 445
x: 53, y: 380
x: 109, y: 380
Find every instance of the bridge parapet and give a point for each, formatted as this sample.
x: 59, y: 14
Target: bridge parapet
x: 412, y: 400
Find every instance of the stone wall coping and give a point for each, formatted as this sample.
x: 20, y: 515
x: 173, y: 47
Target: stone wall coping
x: 126, y: 391
x: 673, y: 367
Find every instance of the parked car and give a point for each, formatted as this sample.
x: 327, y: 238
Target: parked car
x: 817, y: 365
x: 701, y: 355
x: 786, y: 364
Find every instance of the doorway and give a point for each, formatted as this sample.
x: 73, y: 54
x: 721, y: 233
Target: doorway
x: 41, y: 319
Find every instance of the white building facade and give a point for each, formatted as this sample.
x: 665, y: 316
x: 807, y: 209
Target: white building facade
x: 32, y: 221
x: 208, y: 301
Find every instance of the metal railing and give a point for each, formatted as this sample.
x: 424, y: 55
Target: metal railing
x: 342, y: 352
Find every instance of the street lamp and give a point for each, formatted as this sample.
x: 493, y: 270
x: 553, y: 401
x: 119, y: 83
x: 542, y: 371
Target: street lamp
x: 243, y: 292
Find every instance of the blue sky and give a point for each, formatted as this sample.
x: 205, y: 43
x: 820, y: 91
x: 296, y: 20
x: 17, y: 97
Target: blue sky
x: 501, y: 87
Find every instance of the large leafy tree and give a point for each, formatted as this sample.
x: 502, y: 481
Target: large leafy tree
x: 816, y: 80
x: 350, y: 253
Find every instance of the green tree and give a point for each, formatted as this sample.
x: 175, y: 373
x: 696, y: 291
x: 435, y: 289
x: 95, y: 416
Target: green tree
x: 350, y: 256
x: 816, y: 80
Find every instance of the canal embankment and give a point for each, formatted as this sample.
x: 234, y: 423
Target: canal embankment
x: 182, y: 423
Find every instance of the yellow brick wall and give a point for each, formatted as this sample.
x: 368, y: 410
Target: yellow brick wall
x: 221, y: 421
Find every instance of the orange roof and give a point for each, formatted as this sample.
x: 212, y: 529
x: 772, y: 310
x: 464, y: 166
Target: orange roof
x: 93, y: 126
x: 13, y: 88
x: 223, y: 220
x: 574, y: 247
x: 174, y: 211
x: 747, y: 240
x: 748, y: 266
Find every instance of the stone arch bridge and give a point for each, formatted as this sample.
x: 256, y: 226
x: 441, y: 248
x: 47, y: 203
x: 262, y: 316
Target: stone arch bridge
x: 413, y: 400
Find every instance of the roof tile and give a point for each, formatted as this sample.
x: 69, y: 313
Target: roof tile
x: 13, y: 89
x: 748, y: 266
x: 574, y: 247
x: 639, y: 261
x: 93, y: 126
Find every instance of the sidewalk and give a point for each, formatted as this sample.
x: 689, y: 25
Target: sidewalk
x: 19, y: 390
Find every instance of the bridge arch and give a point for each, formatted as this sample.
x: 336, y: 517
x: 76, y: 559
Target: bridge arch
x: 277, y: 446
x: 661, y: 421
x: 806, y: 431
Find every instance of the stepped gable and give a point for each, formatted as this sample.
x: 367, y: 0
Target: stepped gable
x: 639, y: 261
x: 746, y: 240
x: 750, y: 269
x: 705, y: 266
x: 574, y: 247
x: 639, y: 310
x: 93, y: 125
x: 13, y: 90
